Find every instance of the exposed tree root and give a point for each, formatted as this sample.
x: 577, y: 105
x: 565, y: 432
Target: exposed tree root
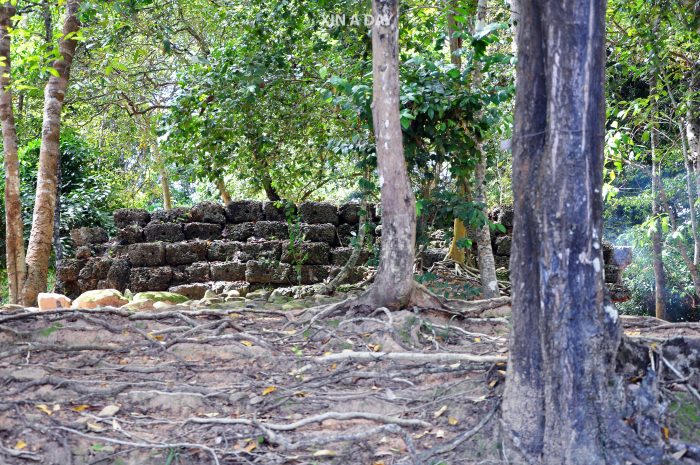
x: 201, y: 384
x: 411, y: 357
x: 420, y: 297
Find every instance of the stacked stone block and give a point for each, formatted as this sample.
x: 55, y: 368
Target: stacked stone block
x: 244, y: 240
x: 502, y: 243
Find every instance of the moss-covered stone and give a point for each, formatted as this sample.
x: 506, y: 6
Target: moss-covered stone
x: 100, y: 298
x: 160, y: 296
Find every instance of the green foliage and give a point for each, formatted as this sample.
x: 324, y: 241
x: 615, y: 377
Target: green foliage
x: 88, y: 193
x: 296, y: 237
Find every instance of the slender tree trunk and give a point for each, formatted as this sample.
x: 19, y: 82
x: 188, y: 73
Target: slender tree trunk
x: 14, y: 232
x: 687, y: 259
x: 221, y: 185
x: 269, y: 189
x: 393, y: 285
x: 692, y: 138
x: 487, y: 264
x: 48, y: 22
x: 164, y: 178
x: 691, y: 191
x: 459, y: 230
x: 57, y: 246
x: 690, y: 178
x: 39, y: 249
x: 165, y: 186
x: 458, y: 253
x: 657, y: 241
x: 560, y: 399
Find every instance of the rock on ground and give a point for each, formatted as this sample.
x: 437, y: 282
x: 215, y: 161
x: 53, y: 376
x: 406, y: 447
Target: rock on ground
x: 100, y: 298
x: 52, y: 301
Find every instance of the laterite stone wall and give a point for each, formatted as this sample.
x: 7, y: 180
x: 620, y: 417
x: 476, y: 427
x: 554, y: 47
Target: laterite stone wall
x: 188, y: 250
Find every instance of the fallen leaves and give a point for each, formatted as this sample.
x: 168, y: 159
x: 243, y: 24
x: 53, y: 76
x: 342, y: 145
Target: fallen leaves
x: 94, y: 427
x: 49, y: 411
x: 440, y: 411
x: 108, y: 411
x: 269, y: 390
x: 375, y: 347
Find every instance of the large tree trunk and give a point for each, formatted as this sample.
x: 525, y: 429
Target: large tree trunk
x: 39, y: 249
x: 14, y: 232
x: 393, y: 284
x: 559, y: 404
x: 487, y: 265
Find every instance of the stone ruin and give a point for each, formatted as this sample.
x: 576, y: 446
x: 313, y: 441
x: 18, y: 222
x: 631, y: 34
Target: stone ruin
x: 616, y: 259
x: 246, y: 243
x: 209, y: 246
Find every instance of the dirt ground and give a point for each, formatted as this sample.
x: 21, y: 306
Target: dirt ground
x: 253, y: 383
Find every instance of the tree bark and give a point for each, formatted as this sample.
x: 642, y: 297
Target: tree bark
x: 457, y: 253
x: 691, y: 190
x: 165, y: 186
x: 487, y: 264
x: 269, y: 189
x: 692, y: 137
x: 221, y: 185
x: 657, y: 241
x: 560, y: 404
x: 393, y: 285
x: 690, y: 178
x: 39, y: 249
x: 57, y: 246
x: 164, y: 178
x: 14, y: 232
x: 459, y: 229
x: 685, y: 255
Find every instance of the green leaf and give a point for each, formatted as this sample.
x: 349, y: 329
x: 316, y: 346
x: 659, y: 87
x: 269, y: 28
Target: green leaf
x: 48, y: 331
